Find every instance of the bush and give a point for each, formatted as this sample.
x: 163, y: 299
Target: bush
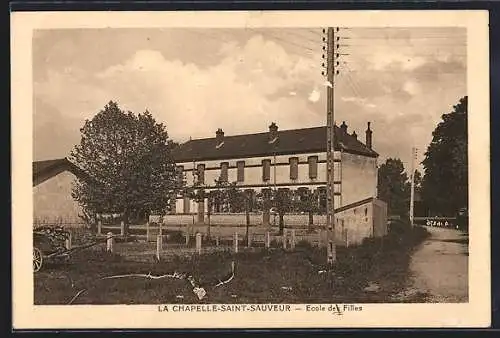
x: 175, y: 236
x: 399, y: 227
x: 304, y: 244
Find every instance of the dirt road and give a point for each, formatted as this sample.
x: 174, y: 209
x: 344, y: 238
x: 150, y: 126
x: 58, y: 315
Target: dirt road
x: 440, y: 267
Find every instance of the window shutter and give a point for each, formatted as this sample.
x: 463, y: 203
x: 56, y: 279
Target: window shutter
x: 294, y: 168
x: 201, y: 173
x: 266, y: 170
x: 223, y: 171
x: 241, y: 171
x: 180, y: 175
x: 313, y: 167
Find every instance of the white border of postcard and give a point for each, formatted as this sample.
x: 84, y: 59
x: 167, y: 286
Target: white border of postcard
x: 475, y: 313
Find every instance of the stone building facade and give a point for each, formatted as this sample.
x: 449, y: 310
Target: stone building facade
x: 279, y: 159
x: 52, y: 185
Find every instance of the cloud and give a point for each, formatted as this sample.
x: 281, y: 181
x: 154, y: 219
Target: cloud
x: 383, y: 61
x: 248, y: 82
x: 359, y: 100
x: 196, y: 101
x: 411, y: 87
x: 314, y: 96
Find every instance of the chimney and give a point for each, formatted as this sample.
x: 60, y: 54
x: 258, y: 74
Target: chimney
x: 343, y: 127
x: 369, y: 136
x: 355, y: 135
x: 273, y: 133
x: 219, y: 137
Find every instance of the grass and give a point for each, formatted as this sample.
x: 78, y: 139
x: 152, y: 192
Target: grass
x: 261, y: 276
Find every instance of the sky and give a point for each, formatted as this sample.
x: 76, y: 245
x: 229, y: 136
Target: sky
x: 198, y: 80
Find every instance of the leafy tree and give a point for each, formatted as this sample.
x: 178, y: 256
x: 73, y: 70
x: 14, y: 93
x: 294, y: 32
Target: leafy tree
x: 393, y: 186
x: 418, y: 181
x: 283, y: 202
x: 445, y: 182
x: 307, y: 201
x: 129, y: 156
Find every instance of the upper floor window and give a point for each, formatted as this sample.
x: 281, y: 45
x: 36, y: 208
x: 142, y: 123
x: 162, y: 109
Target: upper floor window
x: 266, y: 170
x: 180, y: 174
x: 313, y: 167
x: 200, y: 171
x: 294, y: 168
x: 223, y: 171
x: 240, y: 166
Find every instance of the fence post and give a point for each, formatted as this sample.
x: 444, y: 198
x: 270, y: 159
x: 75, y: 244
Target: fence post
x: 249, y: 240
x: 292, y: 239
x: 284, y: 238
x: 187, y: 237
x: 235, y: 242
x: 159, y: 246
x: 122, y: 228
x: 68, y: 242
x: 147, y: 232
x: 217, y: 240
x: 268, y: 240
x: 109, y: 242
x: 198, y: 243
x: 99, y: 227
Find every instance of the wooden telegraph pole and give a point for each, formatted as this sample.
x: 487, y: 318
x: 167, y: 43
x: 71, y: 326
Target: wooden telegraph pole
x: 330, y: 211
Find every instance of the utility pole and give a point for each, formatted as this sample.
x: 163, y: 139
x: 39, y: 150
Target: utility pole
x: 330, y: 189
x: 412, y: 178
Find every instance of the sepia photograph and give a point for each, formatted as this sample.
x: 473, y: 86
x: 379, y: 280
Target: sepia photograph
x: 240, y: 169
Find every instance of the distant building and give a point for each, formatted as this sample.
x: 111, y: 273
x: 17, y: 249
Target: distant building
x: 288, y: 159
x: 52, y: 184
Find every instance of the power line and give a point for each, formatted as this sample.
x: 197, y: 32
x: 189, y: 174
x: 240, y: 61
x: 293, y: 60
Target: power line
x: 284, y: 40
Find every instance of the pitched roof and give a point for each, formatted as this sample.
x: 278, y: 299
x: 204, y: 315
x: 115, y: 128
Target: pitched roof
x: 43, y: 170
x: 293, y: 141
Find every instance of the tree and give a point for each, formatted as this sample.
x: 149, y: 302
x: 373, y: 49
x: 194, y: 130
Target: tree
x: 307, y: 201
x: 129, y: 157
x: 445, y: 182
x: 393, y: 186
x: 284, y: 203
x: 418, y: 181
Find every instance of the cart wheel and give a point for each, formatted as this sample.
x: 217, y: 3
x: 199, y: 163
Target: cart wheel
x: 37, y: 259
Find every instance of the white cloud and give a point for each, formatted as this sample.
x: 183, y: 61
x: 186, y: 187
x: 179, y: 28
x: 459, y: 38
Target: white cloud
x: 195, y: 101
x: 411, y: 87
x: 350, y: 99
x: 359, y: 100
x: 249, y: 83
x: 382, y: 59
x: 314, y: 96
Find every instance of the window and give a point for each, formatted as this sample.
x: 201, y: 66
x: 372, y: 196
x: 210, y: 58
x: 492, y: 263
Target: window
x: 294, y: 168
x: 201, y: 173
x: 266, y: 170
x: 223, y: 171
x: 180, y: 174
x: 240, y: 165
x: 186, y: 204
x: 313, y: 167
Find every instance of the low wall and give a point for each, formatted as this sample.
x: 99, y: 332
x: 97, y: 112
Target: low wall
x: 290, y: 220
x: 368, y: 219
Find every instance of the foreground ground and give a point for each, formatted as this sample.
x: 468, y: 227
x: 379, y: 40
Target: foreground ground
x: 373, y: 272
x: 440, y: 266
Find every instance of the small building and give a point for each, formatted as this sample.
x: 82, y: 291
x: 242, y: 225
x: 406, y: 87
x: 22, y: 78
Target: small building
x: 287, y: 159
x: 52, y: 185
